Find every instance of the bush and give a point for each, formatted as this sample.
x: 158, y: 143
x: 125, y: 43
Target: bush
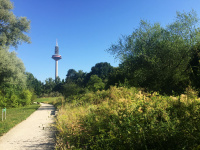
x: 71, y: 88
x: 95, y: 83
x: 3, y: 100
x: 54, y: 94
x: 9, y: 100
x: 58, y: 102
x: 14, y: 100
x: 34, y: 96
x: 25, y: 97
x: 122, y: 118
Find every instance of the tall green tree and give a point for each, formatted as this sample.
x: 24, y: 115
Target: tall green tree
x: 13, y: 31
x: 71, y: 74
x: 12, y: 28
x: 49, y: 85
x: 159, y: 58
x: 102, y: 70
x: 59, y: 85
x: 71, y: 88
x: 33, y: 84
x: 12, y: 70
x: 195, y: 65
x: 117, y: 77
x: 75, y: 77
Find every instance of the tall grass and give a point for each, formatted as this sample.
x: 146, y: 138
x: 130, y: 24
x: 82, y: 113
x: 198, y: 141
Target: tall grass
x: 122, y: 118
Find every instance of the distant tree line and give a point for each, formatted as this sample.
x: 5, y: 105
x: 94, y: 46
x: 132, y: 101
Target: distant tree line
x: 75, y: 82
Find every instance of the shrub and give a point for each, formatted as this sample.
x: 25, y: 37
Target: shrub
x: 54, y: 94
x: 58, y: 102
x: 34, y: 96
x: 95, y: 83
x: 25, y: 97
x: 14, y: 100
x: 71, y: 88
x: 122, y: 118
x: 3, y: 100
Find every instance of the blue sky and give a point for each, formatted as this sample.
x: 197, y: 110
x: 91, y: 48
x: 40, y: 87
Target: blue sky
x: 85, y: 29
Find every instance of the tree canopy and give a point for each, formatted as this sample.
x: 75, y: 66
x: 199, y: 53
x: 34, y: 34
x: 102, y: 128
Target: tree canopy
x: 13, y: 81
x: 159, y: 58
x: 102, y: 70
x: 12, y: 28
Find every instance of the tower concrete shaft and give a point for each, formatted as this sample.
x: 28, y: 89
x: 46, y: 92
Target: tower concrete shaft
x: 56, y: 69
x: 56, y: 57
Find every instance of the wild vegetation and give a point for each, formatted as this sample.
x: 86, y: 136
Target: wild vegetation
x: 122, y: 118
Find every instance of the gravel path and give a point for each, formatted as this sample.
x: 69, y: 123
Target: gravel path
x: 35, y: 133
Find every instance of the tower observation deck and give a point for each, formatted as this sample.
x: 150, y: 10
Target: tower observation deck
x: 56, y: 57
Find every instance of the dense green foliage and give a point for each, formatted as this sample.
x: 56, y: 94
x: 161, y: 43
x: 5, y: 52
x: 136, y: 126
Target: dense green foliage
x: 12, y: 28
x: 158, y: 58
x: 12, y: 70
x: 81, y: 82
x: 95, y: 83
x: 102, y: 70
x: 34, y: 84
x: 13, y: 79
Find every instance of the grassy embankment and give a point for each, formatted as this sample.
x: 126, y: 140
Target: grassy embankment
x: 15, y: 116
x: 56, y: 101
x: 122, y: 118
x: 46, y: 99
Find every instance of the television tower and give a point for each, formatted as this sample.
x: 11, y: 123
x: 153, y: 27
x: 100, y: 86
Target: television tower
x: 56, y: 57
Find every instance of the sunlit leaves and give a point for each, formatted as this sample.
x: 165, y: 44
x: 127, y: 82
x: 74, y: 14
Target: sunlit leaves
x: 12, y: 28
x: 12, y: 70
x: 159, y: 58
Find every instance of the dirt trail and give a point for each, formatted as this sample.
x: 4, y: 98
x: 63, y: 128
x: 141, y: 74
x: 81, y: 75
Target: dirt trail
x: 35, y: 133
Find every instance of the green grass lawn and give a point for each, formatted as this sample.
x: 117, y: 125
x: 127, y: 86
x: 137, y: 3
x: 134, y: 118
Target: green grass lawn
x: 46, y: 100
x: 15, y: 116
